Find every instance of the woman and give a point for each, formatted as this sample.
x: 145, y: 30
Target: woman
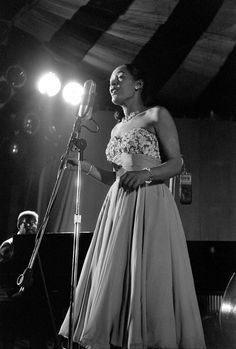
x: 136, y: 288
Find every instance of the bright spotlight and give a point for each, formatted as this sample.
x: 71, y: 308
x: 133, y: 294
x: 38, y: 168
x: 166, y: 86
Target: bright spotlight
x: 49, y: 84
x: 72, y: 93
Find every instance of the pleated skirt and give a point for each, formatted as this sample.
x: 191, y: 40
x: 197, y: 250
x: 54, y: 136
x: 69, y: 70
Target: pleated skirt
x: 136, y: 288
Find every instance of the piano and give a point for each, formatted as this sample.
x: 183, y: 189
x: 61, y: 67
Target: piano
x: 37, y: 310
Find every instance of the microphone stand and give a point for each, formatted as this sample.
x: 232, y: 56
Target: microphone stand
x: 25, y: 279
x: 80, y: 144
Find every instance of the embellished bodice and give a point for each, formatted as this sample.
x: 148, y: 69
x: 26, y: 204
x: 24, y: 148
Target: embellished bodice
x: 136, y: 141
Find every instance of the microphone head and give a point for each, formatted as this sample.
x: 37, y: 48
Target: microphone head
x: 87, y: 100
x: 89, y: 87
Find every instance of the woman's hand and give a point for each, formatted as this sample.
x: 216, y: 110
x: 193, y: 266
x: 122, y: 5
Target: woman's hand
x: 72, y: 163
x: 131, y: 180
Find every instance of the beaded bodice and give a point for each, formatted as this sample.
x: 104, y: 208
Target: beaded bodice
x: 136, y: 141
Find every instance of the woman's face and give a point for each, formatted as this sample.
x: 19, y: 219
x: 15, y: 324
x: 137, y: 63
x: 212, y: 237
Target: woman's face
x: 122, y: 85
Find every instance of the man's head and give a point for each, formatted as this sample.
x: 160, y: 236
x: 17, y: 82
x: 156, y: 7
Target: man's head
x: 27, y: 222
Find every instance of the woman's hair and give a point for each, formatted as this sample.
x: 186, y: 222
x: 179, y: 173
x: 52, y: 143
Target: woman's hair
x: 138, y: 74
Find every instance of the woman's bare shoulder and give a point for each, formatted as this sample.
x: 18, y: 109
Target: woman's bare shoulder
x: 162, y: 114
x: 115, y: 130
x: 154, y: 112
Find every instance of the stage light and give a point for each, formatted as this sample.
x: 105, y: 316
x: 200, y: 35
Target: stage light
x: 16, y: 76
x: 17, y: 147
x: 72, y: 93
x: 49, y: 84
x: 31, y: 123
x: 14, y: 149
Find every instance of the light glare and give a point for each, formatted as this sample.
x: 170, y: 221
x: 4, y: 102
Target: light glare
x: 49, y: 84
x: 72, y: 93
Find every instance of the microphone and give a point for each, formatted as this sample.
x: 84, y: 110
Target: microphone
x: 87, y: 102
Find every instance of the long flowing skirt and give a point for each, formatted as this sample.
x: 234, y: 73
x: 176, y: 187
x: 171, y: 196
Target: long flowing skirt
x: 136, y: 288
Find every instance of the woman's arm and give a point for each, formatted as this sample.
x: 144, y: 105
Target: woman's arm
x: 101, y: 175
x: 168, y: 138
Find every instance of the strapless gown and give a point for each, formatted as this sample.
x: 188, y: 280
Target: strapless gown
x: 136, y: 288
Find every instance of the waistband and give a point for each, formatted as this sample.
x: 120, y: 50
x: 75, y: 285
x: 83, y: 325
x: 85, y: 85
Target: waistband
x: 135, y: 162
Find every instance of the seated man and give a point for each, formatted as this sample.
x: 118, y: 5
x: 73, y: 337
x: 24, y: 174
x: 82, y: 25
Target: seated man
x: 20, y: 317
x: 27, y: 223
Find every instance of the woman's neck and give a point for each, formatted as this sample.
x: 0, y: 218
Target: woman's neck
x: 134, y: 108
